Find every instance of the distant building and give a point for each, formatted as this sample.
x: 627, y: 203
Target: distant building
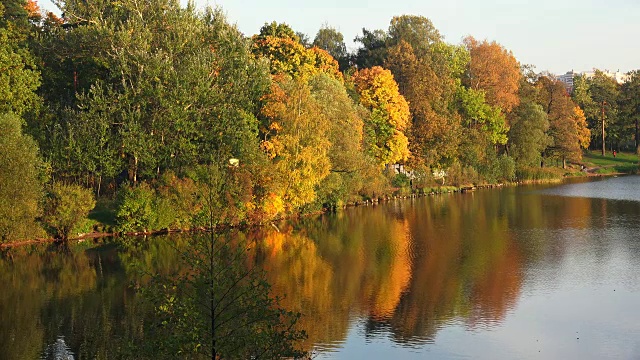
x: 567, y: 78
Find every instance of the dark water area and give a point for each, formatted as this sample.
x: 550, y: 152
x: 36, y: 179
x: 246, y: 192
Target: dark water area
x: 532, y: 272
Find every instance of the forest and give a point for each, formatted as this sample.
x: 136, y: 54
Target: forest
x: 121, y: 116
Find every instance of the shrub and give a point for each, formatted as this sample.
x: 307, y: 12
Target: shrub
x: 66, y: 208
x: 135, y: 210
x: 459, y: 175
x: 177, y: 202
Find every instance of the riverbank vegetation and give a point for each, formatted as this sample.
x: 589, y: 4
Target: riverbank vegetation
x: 131, y: 106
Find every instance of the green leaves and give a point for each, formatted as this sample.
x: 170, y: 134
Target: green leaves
x: 20, y: 182
x: 19, y: 78
x: 67, y: 206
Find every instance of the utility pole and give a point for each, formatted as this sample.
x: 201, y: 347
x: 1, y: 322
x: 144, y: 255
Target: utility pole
x: 603, y: 147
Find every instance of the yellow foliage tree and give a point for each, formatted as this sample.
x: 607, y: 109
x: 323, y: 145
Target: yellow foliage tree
x: 296, y: 141
x: 390, y: 115
x: 584, y: 134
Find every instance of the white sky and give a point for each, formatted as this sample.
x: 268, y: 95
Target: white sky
x: 557, y: 36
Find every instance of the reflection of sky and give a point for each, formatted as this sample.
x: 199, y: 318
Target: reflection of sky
x: 617, y: 188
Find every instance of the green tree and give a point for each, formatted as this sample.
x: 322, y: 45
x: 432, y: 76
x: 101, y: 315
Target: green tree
x: 20, y: 182
x: 332, y: 41
x: 19, y: 77
x: 598, y: 97
x: 67, y: 207
x: 528, y: 134
x: 417, y: 31
x: 629, y: 103
x: 477, y: 113
x: 373, y: 49
x: 180, y: 86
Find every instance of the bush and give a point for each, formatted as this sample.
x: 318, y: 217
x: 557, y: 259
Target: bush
x: 135, y: 211
x: 459, y: 175
x: 176, y: 202
x: 402, y: 183
x: 499, y: 169
x: 66, y: 208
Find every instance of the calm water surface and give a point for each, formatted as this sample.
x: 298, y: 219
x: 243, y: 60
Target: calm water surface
x: 517, y: 273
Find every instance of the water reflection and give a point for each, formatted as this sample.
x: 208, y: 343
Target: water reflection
x: 59, y: 350
x: 491, y: 274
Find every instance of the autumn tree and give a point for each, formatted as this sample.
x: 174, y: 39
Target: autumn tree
x: 434, y: 133
x: 494, y: 70
x: 566, y: 127
x: 331, y: 40
x: 295, y: 138
x: 282, y: 47
x: 385, y: 128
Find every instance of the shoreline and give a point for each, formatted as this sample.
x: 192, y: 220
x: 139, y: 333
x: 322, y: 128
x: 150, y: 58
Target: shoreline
x: 446, y: 189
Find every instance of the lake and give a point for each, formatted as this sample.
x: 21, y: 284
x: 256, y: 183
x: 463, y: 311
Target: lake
x: 529, y: 272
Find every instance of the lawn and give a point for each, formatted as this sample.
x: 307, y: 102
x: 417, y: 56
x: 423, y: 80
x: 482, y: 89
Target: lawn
x: 622, y: 163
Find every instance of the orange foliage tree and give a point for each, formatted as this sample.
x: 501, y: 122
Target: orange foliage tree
x: 494, y: 70
x: 434, y: 131
x: 566, y: 127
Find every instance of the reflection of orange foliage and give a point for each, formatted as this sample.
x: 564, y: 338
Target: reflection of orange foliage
x: 394, y: 280
x: 297, y: 272
x: 498, y: 290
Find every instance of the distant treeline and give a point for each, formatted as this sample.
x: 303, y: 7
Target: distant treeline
x: 154, y: 105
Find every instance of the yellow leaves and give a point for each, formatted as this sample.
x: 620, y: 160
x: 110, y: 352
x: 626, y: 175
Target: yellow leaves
x: 325, y: 63
x: 584, y: 134
x: 296, y: 141
x: 275, y: 126
x: 271, y: 147
x: 390, y: 113
x: 288, y: 56
x: 273, y: 205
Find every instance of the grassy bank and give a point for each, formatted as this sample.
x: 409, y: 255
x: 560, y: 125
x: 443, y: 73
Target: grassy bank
x: 623, y: 163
